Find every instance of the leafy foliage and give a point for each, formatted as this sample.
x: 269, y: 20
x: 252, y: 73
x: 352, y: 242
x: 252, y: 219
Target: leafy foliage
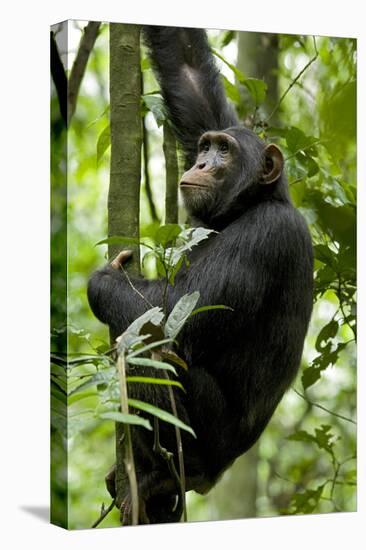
x: 315, y: 129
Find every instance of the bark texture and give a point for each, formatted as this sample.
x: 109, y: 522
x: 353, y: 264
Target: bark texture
x: 125, y: 170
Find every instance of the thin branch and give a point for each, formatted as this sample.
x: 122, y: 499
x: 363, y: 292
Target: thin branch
x: 178, y: 436
x: 104, y: 513
x: 149, y: 304
x: 59, y: 78
x: 323, y: 408
x: 148, y: 189
x: 129, y: 462
x: 145, y: 150
x: 171, y: 178
x: 78, y: 69
x: 164, y: 453
x: 295, y: 80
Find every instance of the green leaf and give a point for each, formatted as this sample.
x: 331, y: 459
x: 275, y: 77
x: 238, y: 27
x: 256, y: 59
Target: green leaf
x: 298, y: 141
x: 324, y: 438
x: 180, y: 313
x: 99, y: 378
x: 338, y: 116
x: 79, y: 396
x: 145, y: 64
x: 174, y: 358
x: 310, y: 376
x: 118, y: 240
x: 146, y: 362
x: 103, y: 113
x: 150, y: 380
x: 308, y: 163
x: 160, y: 413
x: 104, y: 141
x: 167, y: 233
x: 126, y: 419
x: 324, y: 254
x: 327, y: 332
x: 209, y: 308
x: 154, y: 315
x: 155, y: 104
x: 239, y: 75
x: 231, y: 90
x: 148, y: 347
x: 257, y: 89
x: 306, y: 502
x: 227, y: 37
x: 174, y: 270
x: 326, y: 359
x: 191, y: 237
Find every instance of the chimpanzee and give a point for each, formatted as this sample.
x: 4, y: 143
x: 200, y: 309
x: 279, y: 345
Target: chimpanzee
x: 259, y: 262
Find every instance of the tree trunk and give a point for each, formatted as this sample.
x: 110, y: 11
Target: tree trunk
x: 125, y: 173
x: 171, y: 175
x: 258, y: 58
x: 235, y: 496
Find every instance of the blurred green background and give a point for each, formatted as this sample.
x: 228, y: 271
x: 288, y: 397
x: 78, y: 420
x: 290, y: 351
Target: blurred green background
x: 305, y: 462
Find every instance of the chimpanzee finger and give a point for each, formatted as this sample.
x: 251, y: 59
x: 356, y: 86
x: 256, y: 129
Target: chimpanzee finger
x: 121, y: 258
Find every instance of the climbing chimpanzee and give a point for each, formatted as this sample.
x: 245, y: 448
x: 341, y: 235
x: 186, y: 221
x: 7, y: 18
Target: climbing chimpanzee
x: 259, y: 263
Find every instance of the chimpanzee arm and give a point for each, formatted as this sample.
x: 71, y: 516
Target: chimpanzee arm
x: 190, y: 84
x: 117, y: 300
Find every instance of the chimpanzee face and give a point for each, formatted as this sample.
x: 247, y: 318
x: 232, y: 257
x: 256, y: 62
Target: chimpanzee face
x: 228, y: 163
x: 217, y: 167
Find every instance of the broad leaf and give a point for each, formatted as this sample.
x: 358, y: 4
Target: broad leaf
x: 146, y: 362
x: 155, y: 104
x: 99, y: 378
x: 327, y: 332
x: 103, y: 142
x: 257, y: 89
x: 158, y: 381
x: 118, y: 240
x: 154, y: 315
x: 126, y: 419
x: 210, y: 308
x: 160, y: 413
x: 167, y: 233
x: 180, y: 313
x: 239, y: 75
x: 306, y: 502
x: 144, y: 349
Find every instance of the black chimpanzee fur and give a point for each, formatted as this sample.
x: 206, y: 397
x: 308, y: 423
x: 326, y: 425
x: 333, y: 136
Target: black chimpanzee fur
x: 259, y: 263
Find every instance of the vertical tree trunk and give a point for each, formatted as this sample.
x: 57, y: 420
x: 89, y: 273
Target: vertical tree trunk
x: 258, y: 58
x: 235, y: 495
x: 171, y: 171
x: 125, y: 173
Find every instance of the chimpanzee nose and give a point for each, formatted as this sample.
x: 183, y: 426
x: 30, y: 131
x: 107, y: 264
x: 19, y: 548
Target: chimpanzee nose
x: 201, y: 165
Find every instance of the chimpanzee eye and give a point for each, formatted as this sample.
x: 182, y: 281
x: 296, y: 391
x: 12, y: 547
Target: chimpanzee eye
x: 223, y: 147
x: 205, y: 146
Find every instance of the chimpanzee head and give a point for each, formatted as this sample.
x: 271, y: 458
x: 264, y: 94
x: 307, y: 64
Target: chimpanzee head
x: 233, y: 168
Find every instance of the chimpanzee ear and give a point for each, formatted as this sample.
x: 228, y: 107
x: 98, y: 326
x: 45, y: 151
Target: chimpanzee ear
x: 272, y: 165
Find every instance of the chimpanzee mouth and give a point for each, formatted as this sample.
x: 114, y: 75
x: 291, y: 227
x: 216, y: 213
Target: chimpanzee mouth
x: 189, y: 184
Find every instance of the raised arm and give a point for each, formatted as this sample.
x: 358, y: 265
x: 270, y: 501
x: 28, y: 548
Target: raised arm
x: 190, y: 84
